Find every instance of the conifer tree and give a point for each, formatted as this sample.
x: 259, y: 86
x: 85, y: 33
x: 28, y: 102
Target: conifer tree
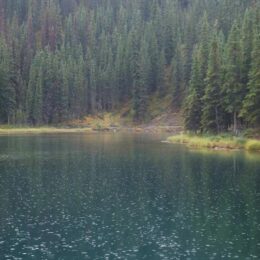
x: 233, y: 88
x: 203, y: 50
x: 156, y: 60
x: 212, y: 101
x: 160, y: 75
x: 7, y: 91
x: 251, y: 106
x: 140, y: 87
x: 177, y: 78
x: 64, y: 94
x: 246, y: 47
x: 35, y: 91
x: 63, y: 59
x: 192, y: 105
x: 169, y: 41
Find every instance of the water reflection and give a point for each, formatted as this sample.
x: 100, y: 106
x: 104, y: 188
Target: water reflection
x: 114, y: 196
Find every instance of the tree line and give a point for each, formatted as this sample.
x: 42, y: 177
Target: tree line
x: 63, y: 59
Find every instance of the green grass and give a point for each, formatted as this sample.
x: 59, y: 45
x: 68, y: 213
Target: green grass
x: 252, y: 145
x: 216, y: 142
x: 7, y: 130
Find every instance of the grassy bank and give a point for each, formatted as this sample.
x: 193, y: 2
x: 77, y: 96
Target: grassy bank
x: 216, y: 142
x: 4, y: 130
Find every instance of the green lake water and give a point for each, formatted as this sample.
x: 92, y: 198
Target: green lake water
x: 125, y: 196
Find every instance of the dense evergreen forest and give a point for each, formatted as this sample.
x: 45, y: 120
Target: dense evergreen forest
x: 62, y: 59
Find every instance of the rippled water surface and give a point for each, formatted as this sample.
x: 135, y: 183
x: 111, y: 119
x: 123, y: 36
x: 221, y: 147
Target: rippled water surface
x: 122, y: 196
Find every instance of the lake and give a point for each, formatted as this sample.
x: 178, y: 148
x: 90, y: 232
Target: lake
x: 125, y: 196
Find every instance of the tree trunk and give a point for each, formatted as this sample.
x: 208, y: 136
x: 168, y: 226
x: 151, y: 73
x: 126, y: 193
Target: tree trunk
x: 235, y: 122
x: 217, y: 121
x: 93, y: 102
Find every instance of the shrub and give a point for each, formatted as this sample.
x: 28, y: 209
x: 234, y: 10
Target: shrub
x: 253, y: 145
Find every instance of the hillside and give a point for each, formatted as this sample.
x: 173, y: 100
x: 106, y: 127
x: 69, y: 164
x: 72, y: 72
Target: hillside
x: 161, y: 118
x: 64, y: 61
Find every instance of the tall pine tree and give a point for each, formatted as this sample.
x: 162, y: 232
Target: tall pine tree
x: 212, y: 100
x: 251, y: 107
x: 233, y: 87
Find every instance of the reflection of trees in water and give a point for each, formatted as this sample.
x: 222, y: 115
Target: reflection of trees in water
x: 222, y: 200
x: 134, y: 192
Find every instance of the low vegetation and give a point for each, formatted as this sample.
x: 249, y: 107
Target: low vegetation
x: 101, y: 121
x: 216, y: 142
x: 4, y: 130
x: 252, y: 145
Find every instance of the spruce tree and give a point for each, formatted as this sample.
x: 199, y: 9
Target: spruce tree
x: 212, y: 109
x: 140, y: 84
x: 7, y: 91
x: 233, y: 87
x: 160, y: 75
x: 204, y: 42
x: 156, y: 61
x: 177, y: 80
x: 251, y: 106
x: 35, y: 91
x: 246, y: 47
x: 169, y: 41
x: 193, y: 105
x: 91, y: 58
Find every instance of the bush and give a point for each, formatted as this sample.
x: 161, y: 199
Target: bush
x: 222, y: 142
x: 253, y: 145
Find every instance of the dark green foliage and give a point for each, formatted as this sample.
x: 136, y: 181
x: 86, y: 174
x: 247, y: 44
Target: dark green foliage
x: 251, y: 108
x: 177, y: 79
x: 64, y: 59
x: 141, y: 83
x: 212, y: 100
x: 7, y: 92
x: 233, y: 87
x: 204, y: 42
x: 193, y: 104
x: 35, y: 90
x: 246, y: 46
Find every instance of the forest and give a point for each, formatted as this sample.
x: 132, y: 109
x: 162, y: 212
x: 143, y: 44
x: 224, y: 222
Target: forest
x: 63, y: 59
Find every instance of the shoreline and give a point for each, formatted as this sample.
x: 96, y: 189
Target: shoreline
x: 9, y: 130
x: 217, y: 142
x: 43, y: 130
